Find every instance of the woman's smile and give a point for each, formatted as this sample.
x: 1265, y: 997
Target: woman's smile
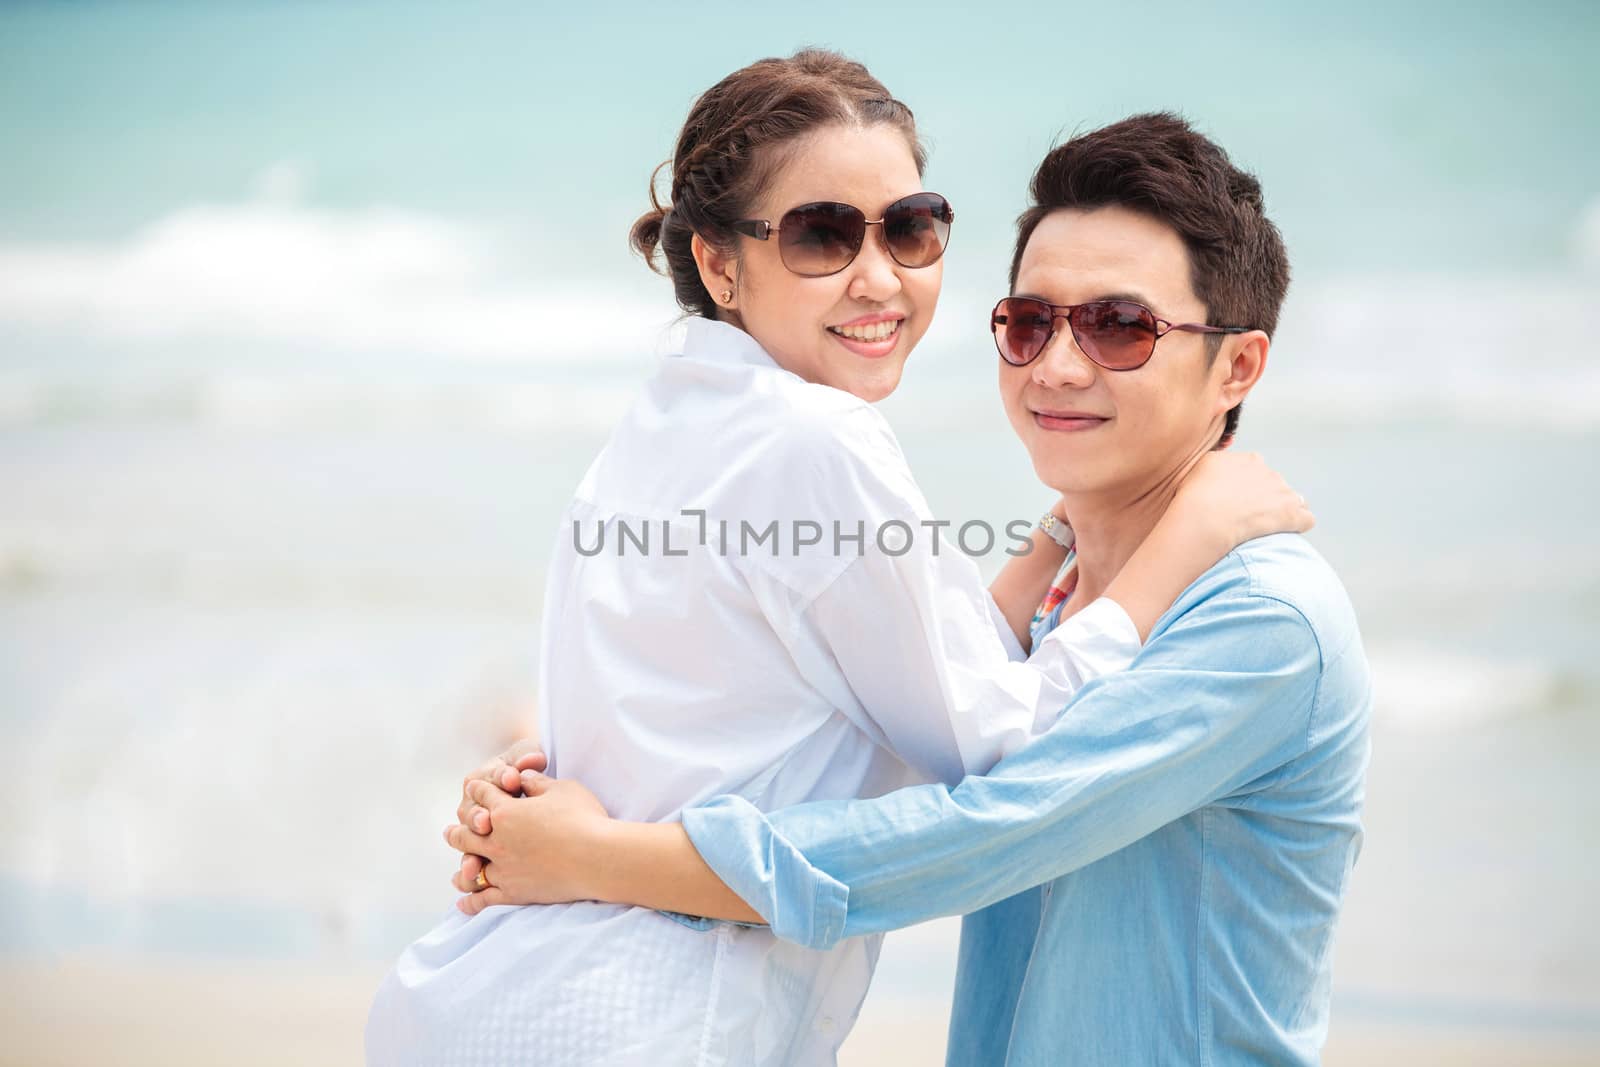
x: 872, y: 336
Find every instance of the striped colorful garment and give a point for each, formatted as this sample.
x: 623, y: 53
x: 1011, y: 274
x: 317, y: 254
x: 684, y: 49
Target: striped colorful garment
x: 1048, y: 617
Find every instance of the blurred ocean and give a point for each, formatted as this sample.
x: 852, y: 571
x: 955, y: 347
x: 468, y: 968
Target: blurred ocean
x: 301, y: 355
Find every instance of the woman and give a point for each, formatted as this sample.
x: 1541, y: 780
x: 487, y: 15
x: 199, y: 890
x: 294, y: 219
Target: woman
x: 775, y: 643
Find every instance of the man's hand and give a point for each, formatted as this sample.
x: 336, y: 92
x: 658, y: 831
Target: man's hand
x: 502, y: 771
x: 539, y: 848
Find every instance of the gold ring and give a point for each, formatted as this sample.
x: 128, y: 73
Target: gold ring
x: 482, y: 881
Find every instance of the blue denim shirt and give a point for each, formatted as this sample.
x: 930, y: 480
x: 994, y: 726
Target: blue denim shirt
x: 1156, y: 879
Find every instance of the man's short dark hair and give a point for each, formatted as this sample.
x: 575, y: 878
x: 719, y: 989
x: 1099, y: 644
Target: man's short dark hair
x: 1160, y: 166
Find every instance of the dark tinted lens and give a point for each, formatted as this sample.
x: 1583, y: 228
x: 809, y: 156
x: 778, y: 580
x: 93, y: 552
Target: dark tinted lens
x: 1117, y: 334
x: 1021, y: 329
x: 917, y: 228
x: 818, y: 239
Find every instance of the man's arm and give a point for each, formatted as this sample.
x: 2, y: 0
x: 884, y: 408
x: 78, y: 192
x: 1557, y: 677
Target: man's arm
x: 1221, y: 695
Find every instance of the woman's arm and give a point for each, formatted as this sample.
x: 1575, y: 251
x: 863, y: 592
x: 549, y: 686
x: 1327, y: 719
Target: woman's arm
x: 562, y: 846
x: 657, y: 861
x: 1025, y: 579
x: 913, y: 635
x: 1227, y: 499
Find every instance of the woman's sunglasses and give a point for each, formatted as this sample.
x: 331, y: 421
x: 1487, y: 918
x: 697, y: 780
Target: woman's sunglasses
x: 816, y: 240
x: 1116, y: 334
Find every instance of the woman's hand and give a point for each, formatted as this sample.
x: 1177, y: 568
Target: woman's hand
x: 538, y: 850
x: 1227, y: 498
x: 503, y: 771
x: 1234, y: 497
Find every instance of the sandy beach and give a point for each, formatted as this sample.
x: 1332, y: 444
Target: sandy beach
x: 174, y: 1013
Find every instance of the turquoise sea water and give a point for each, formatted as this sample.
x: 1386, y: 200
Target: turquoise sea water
x: 310, y: 320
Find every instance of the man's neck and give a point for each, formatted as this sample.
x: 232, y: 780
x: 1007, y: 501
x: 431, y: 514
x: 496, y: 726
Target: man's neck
x: 1111, y: 524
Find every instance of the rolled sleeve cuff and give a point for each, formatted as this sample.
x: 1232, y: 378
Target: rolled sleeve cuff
x: 801, y: 903
x: 1008, y: 636
x: 1104, y: 631
x: 693, y: 922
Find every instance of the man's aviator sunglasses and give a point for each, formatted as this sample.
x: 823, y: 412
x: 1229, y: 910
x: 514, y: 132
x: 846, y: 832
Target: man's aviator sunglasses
x: 816, y: 240
x: 1116, y: 334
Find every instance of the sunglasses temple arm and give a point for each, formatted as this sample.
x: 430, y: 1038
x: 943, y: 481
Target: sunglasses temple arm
x: 1198, y: 327
x: 760, y: 229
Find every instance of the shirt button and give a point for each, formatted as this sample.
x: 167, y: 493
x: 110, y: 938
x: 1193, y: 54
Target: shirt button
x: 825, y: 1024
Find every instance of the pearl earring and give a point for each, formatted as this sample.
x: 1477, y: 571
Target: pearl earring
x: 727, y: 295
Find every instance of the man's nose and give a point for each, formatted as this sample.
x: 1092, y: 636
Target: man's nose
x: 1062, y: 363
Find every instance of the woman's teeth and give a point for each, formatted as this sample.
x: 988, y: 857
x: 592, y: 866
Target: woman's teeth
x: 875, y: 331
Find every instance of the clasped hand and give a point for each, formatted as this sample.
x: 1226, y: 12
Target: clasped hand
x: 525, y: 833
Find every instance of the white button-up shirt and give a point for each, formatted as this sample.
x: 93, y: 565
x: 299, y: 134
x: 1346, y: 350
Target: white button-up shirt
x: 744, y: 599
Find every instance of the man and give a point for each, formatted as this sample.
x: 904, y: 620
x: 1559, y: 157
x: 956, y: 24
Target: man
x: 1157, y: 878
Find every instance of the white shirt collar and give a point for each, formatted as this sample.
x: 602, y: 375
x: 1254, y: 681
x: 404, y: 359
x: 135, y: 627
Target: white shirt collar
x: 713, y: 341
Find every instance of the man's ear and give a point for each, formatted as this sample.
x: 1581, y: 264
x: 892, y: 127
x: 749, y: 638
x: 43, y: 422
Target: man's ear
x: 718, y: 272
x: 1245, y: 360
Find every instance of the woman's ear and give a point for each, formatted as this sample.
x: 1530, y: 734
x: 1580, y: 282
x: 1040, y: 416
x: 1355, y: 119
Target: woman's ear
x: 717, y: 272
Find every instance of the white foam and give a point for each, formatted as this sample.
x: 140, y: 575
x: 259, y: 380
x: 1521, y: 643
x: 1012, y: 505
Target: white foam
x: 271, y: 400
x: 1586, y: 237
x: 277, y: 271
x: 1503, y: 353
x: 288, y: 771
x: 157, y: 562
x: 1421, y: 689
x: 1494, y: 351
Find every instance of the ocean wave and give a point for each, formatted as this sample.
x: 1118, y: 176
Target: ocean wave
x: 1422, y: 689
x: 72, y: 558
x: 1475, y: 351
x: 275, y: 271
x: 248, y: 761
x: 1568, y: 403
x: 250, y: 400
x: 1586, y: 238
x: 1349, y: 353
x: 1499, y: 352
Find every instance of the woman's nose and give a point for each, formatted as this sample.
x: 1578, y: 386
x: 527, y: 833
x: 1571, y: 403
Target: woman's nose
x: 876, y: 274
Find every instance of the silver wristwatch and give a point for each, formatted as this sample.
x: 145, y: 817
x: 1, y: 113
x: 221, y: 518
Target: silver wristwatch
x: 1058, y: 531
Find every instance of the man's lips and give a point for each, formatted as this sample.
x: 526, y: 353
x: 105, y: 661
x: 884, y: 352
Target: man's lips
x: 1067, y: 421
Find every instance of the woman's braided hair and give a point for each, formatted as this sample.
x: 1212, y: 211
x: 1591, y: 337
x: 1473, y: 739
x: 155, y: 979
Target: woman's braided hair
x: 734, y: 140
